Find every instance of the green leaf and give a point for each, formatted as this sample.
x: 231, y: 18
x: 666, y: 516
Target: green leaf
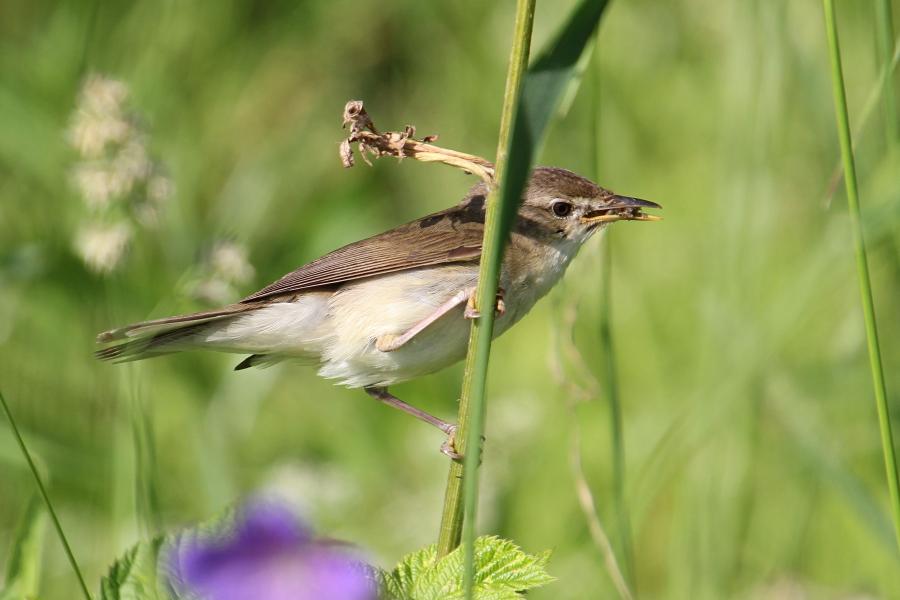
x: 135, y: 576
x: 141, y: 573
x: 442, y: 580
x: 502, y: 572
x: 24, y: 566
x: 399, y: 582
x: 43, y: 491
x: 500, y: 562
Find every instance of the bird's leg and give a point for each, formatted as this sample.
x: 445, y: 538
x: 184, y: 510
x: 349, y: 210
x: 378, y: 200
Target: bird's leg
x: 499, y: 306
x: 381, y: 394
x: 390, y: 342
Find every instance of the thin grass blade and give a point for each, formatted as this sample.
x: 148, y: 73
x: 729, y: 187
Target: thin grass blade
x: 610, y: 369
x: 862, y: 263
x: 527, y: 112
x: 884, y: 29
x: 46, y: 498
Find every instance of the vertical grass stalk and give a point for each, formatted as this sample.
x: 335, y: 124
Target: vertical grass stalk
x: 607, y: 345
x: 462, y: 481
x: 43, y: 491
x: 862, y: 266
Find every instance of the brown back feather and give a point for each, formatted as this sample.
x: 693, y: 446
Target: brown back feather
x: 449, y: 236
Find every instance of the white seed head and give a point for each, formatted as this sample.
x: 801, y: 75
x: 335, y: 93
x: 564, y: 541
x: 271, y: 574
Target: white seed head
x: 102, y: 247
x: 102, y: 94
x: 160, y: 189
x: 98, y: 121
x: 226, y: 267
x: 229, y: 261
x: 132, y: 163
x: 90, y: 133
x: 96, y: 184
x: 212, y: 291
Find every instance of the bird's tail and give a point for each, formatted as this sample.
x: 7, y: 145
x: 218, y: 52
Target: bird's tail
x: 162, y: 336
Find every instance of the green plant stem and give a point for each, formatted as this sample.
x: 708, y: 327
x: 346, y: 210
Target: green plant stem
x: 43, y: 491
x: 884, y: 22
x: 862, y: 267
x: 462, y: 479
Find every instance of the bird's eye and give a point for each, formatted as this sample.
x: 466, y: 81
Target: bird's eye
x: 561, y: 209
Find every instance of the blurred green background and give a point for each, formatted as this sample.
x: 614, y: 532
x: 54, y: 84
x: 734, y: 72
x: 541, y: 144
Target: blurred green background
x: 753, y: 463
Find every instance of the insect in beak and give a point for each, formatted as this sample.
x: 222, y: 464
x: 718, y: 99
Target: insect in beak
x: 621, y: 208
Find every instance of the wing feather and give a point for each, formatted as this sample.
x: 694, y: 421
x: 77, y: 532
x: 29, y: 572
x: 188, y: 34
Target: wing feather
x: 450, y: 236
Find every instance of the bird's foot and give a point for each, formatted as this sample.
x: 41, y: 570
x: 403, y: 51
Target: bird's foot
x: 473, y: 313
x: 387, y: 342
x: 448, y: 448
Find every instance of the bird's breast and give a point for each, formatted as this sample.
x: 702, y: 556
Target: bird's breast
x: 530, y: 270
x: 361, y: 312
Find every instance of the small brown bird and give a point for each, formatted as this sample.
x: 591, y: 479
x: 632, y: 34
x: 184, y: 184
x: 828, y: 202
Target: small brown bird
x: 394, y: 306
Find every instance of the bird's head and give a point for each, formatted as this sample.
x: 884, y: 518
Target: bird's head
x: 567, y: 206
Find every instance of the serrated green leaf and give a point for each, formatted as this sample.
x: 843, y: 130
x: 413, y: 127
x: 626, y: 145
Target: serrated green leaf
x: 23, y: 569
x: 502, y: 572
x: 493, y: 593
x: 399, y: 583
x: 441, y: 580
x: 141, y: 573
x: 135, y: 576
x: 500, y: 562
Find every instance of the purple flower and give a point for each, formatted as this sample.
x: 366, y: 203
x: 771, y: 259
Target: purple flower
x: 267, y: 555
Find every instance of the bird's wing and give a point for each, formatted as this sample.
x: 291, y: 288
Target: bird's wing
x: 450, y: 236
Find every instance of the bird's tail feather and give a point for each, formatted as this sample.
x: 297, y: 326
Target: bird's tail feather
x: 154, y: 326
x: 161, y: 336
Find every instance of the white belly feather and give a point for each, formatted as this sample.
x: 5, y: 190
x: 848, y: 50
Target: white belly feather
x: 338, y: 330
x: 362, y: 312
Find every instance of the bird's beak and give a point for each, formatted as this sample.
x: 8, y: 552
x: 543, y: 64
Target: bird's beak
x: 621, y: 208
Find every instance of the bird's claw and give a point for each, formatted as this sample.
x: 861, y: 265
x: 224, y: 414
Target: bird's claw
x: 473, y: 313
x: 448, y: 448
x: 386, y: 342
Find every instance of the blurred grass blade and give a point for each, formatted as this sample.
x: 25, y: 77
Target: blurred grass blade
x: 885, y: 78
x: 611, y: 391
x: 542, y: 92
x: 571, y: 92
x: 884, y: 29
x: 589, y: 508
x: 862, y: 266
x: 23, y: 568
x: 607, y: 343
x: 809, y: 442
x: 43, y: 492
x: 145, y: 473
